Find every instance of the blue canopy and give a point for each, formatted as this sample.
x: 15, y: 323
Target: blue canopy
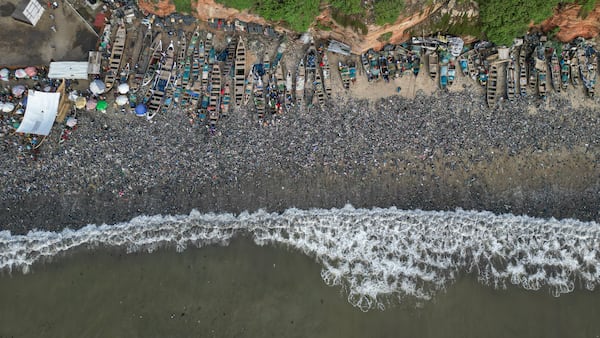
x: 140, y: 110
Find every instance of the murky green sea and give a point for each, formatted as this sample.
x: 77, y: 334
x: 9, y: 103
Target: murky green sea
x: 248, y: 291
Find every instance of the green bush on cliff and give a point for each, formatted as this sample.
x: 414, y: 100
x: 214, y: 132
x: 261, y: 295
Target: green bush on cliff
x: 347, y: 6
x: 238, y: 4
x: 298, y: 15
x: 504, y: 20
x: 183, y: 6
x: 387, y: 11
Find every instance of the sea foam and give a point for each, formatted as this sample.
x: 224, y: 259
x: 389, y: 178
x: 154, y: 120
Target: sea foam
x: 376, y: 255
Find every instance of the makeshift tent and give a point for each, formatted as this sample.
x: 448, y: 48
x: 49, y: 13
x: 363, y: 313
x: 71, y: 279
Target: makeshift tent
x: 97, y: 87
x: 28, y: 11
x: 4, y: 73
x: 71, y: 122
x: 140, y: 110
x: 80, y: 102
x: 91, y: 104
x: 68, y: 70
x: 73, y: 96
x: 121, y: 100
x: 101, y: 105
x: 18, y: 90
x: 20, y: 73
x: 123, y: 88
x: 31, y: 71
x: 8, y: 107
x: 40, y: 113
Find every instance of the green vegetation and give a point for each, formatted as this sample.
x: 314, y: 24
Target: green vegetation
x: 347, y: 7
x: 183, y: 6
x: 297, y: 15
x: 387, y: 11
x: 464, y: 26
x: 385, y: 37
x: 502, y: 20
x: 354, y: 21
x: 238, y: 4
x: 586, y: 7
x: 323, y: 27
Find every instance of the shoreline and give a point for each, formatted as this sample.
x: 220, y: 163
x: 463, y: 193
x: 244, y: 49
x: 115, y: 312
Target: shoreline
x: 427, y: 153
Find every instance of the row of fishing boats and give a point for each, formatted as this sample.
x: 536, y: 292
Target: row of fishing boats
x: 529, y: 68
x: 393, y: 61
x: 274, y: 88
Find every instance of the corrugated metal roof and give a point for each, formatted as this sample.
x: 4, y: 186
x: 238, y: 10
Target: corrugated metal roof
x: 68, y: 70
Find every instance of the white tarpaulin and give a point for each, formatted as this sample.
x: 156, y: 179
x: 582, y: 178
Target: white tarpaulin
x: 68, y: 70
x: 40, y: 113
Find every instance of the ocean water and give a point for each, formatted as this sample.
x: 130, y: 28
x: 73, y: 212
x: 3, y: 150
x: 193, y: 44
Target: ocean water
x: 329, y: 273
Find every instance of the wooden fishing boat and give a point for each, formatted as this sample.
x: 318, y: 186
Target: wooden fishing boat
x: 193, y: 43
x: 464, y: 65
x: 289, y: 89
x: 365, y: 63
x: 300, y: 81
x: 228, y: 70
x: 182, y: 51
x: 279, y: 88
x: 326, y: 75
x: 352, y: 71
x: 143, y: 60
x: 523, y: 71
x: 555, y: 72
x: 374, y: 65
x: 225, y: 100
x: 344, y: 74
x: 240, y: 72
x: 248, y: 84
x: 215, y: 88
x: 433, y: 65
x: 116, y: 57
x: 443, y: 75
x: 492, y: 85
x: 575, y: 70
x: 588, y: 64
x: 209, y: 50
x: 154, y: 64
x: 193, y: 95
x: 451, y: 72
x: 164, y: 78
x: 542, y: 77
x: 384, y: 67
x: 259, y: 98
x: 124, y: 75
x: 533, y: 77
x: 311, y: 68
x: 197, y: 63
x: 511, y: 80
x: 319, y: 96
x: 473, y: 63
x: 266, y: 66
x: 565, y: 70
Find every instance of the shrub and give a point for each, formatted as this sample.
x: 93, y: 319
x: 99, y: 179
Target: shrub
x: 387, y: 11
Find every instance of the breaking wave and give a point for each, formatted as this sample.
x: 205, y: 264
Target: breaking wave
x: 376, y: 255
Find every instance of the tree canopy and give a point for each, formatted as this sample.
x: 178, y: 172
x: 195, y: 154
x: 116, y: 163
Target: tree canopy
x: 503, y: 20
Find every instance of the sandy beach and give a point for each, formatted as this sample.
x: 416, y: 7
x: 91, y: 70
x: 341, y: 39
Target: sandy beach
x: 440, y: 151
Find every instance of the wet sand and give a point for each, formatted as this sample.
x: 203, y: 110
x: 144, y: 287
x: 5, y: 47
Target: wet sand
x: 250, y: 291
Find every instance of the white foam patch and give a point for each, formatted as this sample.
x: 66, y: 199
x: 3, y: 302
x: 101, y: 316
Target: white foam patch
x: 374, y: 254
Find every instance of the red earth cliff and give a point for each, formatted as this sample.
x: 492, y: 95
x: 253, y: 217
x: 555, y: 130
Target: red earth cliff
x: 571, y: 24
x: 158, y: 7
x: 566, y: 17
